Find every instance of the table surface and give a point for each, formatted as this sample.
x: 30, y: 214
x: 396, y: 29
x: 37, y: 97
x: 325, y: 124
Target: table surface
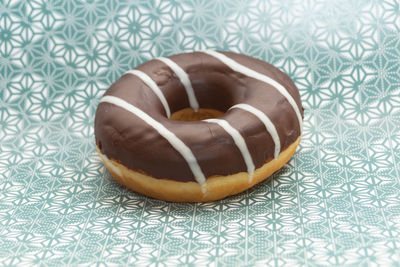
x: 336, y: 202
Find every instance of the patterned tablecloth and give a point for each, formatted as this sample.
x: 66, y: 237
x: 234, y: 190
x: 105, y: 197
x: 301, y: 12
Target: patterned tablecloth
x: 336, y: 202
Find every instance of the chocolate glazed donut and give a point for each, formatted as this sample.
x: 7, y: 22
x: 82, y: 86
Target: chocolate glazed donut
x: 144, y: 148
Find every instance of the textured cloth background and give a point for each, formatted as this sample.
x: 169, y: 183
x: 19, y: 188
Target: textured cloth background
x: 336, y: 202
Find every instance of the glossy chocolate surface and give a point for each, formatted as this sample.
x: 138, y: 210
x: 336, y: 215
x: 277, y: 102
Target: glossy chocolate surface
x: 122, y: 136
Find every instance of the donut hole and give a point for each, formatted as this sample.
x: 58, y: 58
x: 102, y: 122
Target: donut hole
x: 188, y: 114
x: 215, y: 91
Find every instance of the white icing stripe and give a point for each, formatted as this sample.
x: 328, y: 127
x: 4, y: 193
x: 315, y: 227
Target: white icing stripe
x: 240, y: 143
x: 110, y: 165
x: 267, y: 122
x: 256, y: 75
x: 164, y: 132
x: 184, y: 78
x: 153, y: 86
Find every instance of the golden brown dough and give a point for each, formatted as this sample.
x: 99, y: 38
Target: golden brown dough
x: 216, y: 187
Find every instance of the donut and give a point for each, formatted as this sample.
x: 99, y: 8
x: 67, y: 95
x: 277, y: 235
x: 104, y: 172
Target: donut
x: 199, y: 126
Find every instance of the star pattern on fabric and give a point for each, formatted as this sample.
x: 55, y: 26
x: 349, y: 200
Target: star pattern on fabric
x: 336, y: 202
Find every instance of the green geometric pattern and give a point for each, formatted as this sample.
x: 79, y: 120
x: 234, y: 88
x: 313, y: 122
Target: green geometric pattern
x: 336, y: 202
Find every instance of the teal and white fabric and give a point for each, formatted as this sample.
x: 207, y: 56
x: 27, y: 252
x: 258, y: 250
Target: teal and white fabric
x: 336, y: 202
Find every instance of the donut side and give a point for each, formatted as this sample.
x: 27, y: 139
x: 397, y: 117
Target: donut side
x: 217, y: 187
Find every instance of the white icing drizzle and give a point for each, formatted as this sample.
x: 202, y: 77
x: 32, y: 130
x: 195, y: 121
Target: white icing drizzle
x: 267, y: 122
x: 239, y: 142
x: 261, y: 77
x: 164, y: 132
x: 110, y: 165
x: 153, y: 86
x: 184, y: 78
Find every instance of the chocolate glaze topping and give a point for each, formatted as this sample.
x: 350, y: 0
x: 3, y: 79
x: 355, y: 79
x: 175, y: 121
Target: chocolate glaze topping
x: 124, y: 137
